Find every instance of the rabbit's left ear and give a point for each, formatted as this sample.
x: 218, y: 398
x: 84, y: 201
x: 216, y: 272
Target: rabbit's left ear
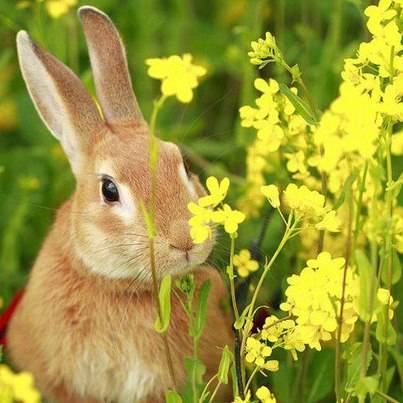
x: 60, y: 99
x: 110, y: 70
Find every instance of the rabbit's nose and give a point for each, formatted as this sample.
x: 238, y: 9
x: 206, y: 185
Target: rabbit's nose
x: 179, y: 236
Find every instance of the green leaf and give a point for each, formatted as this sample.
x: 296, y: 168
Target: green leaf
x: 196, y: 330
x: 346, y: 190
x: 366, y: 272
x: 366, y: 385
x: 396, y: 270
x: 172, y: 397
x: 353, y: 357
x: 385, y: 333
x: 295, y: 72
x: 194, y: 384
x: 241, y: 320
x: 161, y: 326
x: 299, y: 104
x: 225, y: 364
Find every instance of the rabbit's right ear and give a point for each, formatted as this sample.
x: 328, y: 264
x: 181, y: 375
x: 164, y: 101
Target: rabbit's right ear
x: 60, y: 99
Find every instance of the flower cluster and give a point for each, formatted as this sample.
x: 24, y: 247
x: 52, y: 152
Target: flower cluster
x: 306, y: 204
x: 208, y: 211
x: 245, y: 264
x: 257, y: 352
x: 276, y: 123
x: 17, y: 387
x: 264, y: 51
x: 353, y: 129
x: 178, y: 75
x: 313, y: 305
x: 314, y: 299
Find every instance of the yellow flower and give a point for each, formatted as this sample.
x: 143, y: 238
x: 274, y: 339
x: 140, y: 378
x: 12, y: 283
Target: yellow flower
x: 57, y: 8
x: 265, y: 396
x: 313, y: 297
x: 244, y: 264
x: 229, y: 218
x: 218, y: 192
x: 273, y: 328
x: 304, y: 202
x: 178, y: 75
x: 330, y: 222
x: 256, y: 352
x: 384, y: 297
x: 378, y: 14
x: 296, y: 162
x: 17, y: 387
x: 263, y: 50
x: 200, y: 229
x: 272, y: 194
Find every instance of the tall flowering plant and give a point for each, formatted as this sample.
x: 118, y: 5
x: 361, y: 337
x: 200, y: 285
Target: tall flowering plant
x: 340, y: 198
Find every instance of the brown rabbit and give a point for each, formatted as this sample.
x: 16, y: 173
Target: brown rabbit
x: 84, y: 327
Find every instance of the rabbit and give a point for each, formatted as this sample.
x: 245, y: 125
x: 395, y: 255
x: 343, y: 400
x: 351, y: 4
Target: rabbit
x: 85, y: 325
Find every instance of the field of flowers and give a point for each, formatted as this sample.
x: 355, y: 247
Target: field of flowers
x: 290, y: 112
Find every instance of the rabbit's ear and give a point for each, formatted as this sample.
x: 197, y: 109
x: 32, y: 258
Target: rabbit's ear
x: 60, y: 99
x: 109, y: 66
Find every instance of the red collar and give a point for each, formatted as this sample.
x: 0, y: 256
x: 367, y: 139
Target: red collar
x: 5, y: 317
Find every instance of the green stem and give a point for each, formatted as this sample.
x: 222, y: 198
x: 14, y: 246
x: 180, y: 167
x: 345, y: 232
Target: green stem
x: 338, y: 363
x: 359, y: 206
x: 215, y: 392
x: 194, y: 386
x: 268, y: 266
x: 203, y: 394
x: 156, y: 299
x: 153, y: 151
x: 250, y: 379
x: 386, y: 397
x: 231, y: 277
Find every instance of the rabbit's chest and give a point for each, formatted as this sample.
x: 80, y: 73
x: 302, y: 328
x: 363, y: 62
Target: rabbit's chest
x: 112, y: 373
x: 114, y: 358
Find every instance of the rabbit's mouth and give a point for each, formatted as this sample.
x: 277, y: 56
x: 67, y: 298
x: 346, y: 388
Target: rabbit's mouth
x: 183, y: 261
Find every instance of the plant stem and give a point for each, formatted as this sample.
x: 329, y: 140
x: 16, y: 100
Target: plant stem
x: 156, y: 299
x: 237, y: 349
x: 201, y: 400
x: 230, y: 271
x: 268, y: 266
x: 359, y: 205
x: 250, y: 379
x: 338, y: 364
x: 238, y: 352
x: 153, y: 151
x: 215, y: 392
x: 386, y: 397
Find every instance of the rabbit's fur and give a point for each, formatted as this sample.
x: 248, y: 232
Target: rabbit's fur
x: 84, y: 327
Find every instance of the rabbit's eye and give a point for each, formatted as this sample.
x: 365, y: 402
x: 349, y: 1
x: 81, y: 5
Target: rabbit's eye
x: 109, y: 191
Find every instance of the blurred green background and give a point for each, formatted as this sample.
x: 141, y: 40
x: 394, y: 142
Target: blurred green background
x: 35, y: 177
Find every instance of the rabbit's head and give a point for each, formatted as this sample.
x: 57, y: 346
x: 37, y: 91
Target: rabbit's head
x: 108, y: 150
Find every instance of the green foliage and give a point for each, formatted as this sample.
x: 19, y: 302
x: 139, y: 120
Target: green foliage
x: 162, y: 323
